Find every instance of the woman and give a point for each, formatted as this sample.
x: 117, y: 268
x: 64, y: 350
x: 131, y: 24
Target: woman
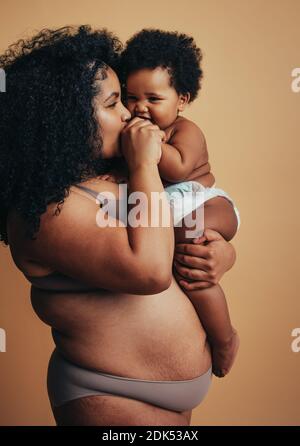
x: 130, y: 349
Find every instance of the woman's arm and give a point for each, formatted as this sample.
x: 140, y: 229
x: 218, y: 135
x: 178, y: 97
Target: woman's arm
x: 135, y: 260
x: 207, y: 260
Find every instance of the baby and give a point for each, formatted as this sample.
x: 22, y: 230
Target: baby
x: 161, y: 74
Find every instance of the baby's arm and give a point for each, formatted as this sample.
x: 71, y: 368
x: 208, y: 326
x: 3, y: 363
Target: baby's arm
x: 184, y: 151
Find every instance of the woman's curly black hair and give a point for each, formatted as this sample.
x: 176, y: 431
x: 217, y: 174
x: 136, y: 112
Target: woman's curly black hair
x: 177, y: 52
x: 49, y: 134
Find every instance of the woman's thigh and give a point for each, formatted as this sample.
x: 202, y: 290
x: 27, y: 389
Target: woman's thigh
x: 117, y: 411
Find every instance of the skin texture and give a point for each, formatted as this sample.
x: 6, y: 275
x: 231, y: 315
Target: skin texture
x: 87, y: 326
x: 117, y: 411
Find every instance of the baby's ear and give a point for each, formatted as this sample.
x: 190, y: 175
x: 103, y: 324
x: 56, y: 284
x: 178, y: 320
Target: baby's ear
x: 184, y: 99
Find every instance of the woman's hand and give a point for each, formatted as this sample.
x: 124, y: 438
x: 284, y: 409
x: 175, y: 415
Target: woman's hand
x: 201, y: 264
x: 141, y: 143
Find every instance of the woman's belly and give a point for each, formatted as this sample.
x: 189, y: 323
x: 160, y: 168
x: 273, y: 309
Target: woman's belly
x: 145, y: 337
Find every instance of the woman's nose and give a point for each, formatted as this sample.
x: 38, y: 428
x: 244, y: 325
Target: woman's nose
x: 126, y: 115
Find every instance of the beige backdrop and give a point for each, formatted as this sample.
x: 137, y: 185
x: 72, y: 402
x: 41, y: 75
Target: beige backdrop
x: 250, y: 117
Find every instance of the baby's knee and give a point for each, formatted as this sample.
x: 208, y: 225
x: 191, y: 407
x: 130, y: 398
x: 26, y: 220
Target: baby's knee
x: 219, y: 215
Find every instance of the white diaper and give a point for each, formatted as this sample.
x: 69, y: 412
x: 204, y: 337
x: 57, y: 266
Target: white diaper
x: 187, y: 196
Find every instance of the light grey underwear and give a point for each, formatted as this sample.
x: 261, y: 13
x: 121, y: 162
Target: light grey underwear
x: 67, y: 381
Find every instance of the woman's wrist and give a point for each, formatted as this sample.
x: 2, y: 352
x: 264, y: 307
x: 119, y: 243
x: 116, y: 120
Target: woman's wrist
x: 139, y: 168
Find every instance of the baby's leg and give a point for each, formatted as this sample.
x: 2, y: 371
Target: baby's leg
x: 211, y: 307
x: 219, y: 215
x: 210, y: 303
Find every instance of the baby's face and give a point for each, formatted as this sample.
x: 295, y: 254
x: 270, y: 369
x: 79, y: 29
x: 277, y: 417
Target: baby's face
x: 150, y: 96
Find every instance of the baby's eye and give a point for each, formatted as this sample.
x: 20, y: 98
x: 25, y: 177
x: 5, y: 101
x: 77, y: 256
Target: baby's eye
x: 112, y: 105
x: 153, y: 99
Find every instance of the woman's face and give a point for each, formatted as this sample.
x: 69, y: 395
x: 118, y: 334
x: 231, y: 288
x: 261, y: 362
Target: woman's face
x: 111, y: 114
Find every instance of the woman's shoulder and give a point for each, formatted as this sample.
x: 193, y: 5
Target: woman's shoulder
x: 80, y: 206
x: 76, y: 216
x: 96, y: 185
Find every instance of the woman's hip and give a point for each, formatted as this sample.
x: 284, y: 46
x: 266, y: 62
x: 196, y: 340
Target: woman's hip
x: 67, y: 381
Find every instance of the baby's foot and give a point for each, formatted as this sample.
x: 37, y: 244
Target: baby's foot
x: 223, y: 356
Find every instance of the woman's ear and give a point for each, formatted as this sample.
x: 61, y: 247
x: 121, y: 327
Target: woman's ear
x: 184, y: 99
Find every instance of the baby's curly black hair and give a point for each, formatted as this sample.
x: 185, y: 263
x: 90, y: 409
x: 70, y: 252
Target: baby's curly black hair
x: 177, y: 52
x: 49, y: 134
